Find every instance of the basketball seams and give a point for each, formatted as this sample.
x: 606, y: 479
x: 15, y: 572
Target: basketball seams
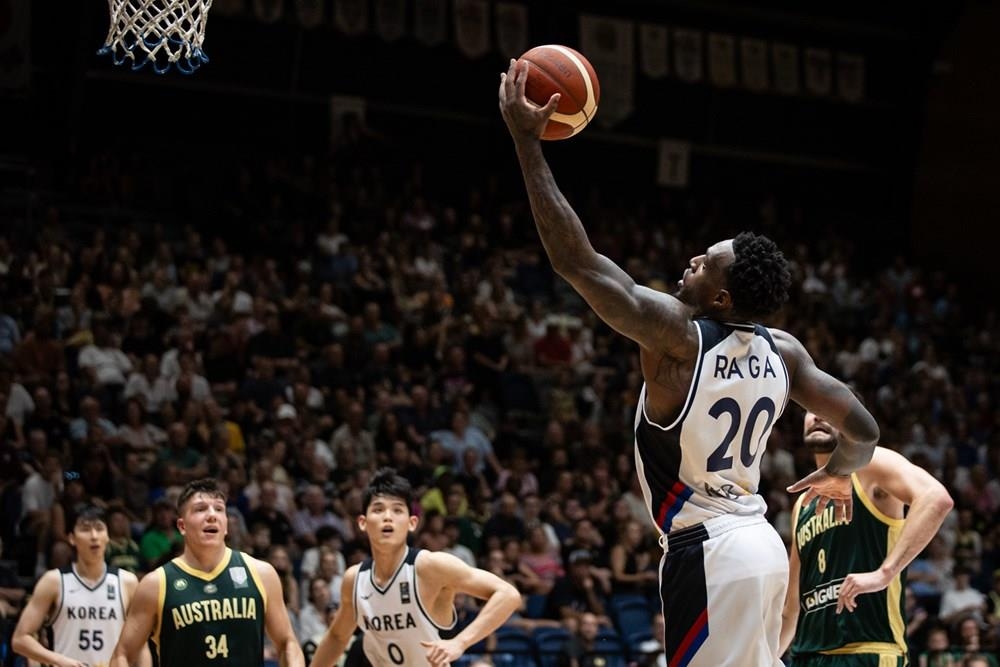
x: 559, y: 85
x: 590, y: 105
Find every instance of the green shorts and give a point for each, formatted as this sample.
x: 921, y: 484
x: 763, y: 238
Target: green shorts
x: 848, y: 660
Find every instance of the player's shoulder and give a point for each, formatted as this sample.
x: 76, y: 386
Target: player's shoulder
x: 261, y: 567
x: 49, y: 583
x: 127, y: 577
x: 434, y: 563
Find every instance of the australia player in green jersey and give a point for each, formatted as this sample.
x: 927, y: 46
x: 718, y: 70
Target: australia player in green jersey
x: 210, y: 606
x: 856, y: 564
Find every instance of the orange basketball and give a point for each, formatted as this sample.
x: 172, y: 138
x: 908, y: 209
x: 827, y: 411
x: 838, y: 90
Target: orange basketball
x: 559, y: 69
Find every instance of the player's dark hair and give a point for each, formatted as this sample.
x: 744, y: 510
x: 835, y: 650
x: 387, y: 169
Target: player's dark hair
x: 758, y: 277
x: 386, y: 482
x: 90, y: 514
x: 209, y: 486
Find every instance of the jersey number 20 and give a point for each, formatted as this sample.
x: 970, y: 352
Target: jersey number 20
x: 720, y: 459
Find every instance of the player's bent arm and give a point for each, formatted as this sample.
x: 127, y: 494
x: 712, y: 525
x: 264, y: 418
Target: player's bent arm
x: 502, y: 599
x: 790, y: 612
x: 820, y: 393
x: 331, y: 648
x: 42, y: 600
x: 276, y: 621
x: 928, y: 499
x: 139, y: 621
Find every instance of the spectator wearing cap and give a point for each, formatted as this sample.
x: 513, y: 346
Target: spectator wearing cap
x: 578, y: 591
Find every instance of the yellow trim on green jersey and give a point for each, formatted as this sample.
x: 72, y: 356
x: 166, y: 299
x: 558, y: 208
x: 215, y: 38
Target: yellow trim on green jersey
x: 161, y: 595
x: 876, y: 648
x: 870, y: 504
x: 204, y: 576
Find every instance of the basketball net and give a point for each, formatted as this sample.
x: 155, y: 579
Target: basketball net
x: 163, y: 33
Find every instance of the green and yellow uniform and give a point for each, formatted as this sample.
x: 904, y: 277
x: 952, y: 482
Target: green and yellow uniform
x: 874, y: 635
x: 210, y: 619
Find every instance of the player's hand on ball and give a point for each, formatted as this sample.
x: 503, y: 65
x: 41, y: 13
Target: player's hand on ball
x: 859, y: 584
x: 523, y: 118
x: 443, y: 651
x: 828, y: 488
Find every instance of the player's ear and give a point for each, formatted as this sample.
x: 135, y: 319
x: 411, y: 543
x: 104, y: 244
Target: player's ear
x: 723, y: 300
x: 362, y: 522
x: 180, y: 525
x: 413, y: 521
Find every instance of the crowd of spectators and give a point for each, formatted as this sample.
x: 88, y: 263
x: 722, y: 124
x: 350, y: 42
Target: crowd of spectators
x: 354, y: 317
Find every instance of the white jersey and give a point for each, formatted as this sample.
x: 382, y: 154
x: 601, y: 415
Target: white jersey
x: 706, y: 463
x: 393, y: 618
x: 88, y: 620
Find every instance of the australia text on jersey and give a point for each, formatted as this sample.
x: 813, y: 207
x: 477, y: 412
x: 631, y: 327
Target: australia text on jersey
x: 817, y: 524
x: 204, y: 611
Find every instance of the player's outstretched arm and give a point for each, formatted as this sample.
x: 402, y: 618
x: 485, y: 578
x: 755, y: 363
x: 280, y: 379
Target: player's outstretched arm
x: 42, y: 601
x: 820, y: 393
x: 444, y: 571
x: 276, y: 622
x: 929, y: 504
x: 139, y: 621
x: 339, y: 633
x: 648, y: 317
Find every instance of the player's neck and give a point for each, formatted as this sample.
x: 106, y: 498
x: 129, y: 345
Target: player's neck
x: 205, y: 559
x: 91, y: 571
x: 821, y: 459
x: 387, y: 562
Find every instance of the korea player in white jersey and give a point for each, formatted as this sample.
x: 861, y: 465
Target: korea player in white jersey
x: 715, y: 382
x: 403, y: 598
x: 84, y: 603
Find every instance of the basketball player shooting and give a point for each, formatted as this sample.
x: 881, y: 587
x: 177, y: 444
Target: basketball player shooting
x: 403, y: 598
x: 715, y: 382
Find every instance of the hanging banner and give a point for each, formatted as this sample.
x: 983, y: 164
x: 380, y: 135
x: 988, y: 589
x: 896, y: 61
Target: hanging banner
x: 818, y: 74
x: 512, y: 29
x: 228, y: 7
x: 267, y: 11
x: 351, y: 16
x: 309, y: 12
x: 15, y: 45
x: 472, y: 27
x: 786, y: 68
x: 851, y: 76
x: 609, y: 46
x: 722, y: 59
x: 390, y: 19
x: 429, y: 22
x: 753, y: 56
x: 687, y: 55
x: 674, y: 164
x: 653, y: 50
